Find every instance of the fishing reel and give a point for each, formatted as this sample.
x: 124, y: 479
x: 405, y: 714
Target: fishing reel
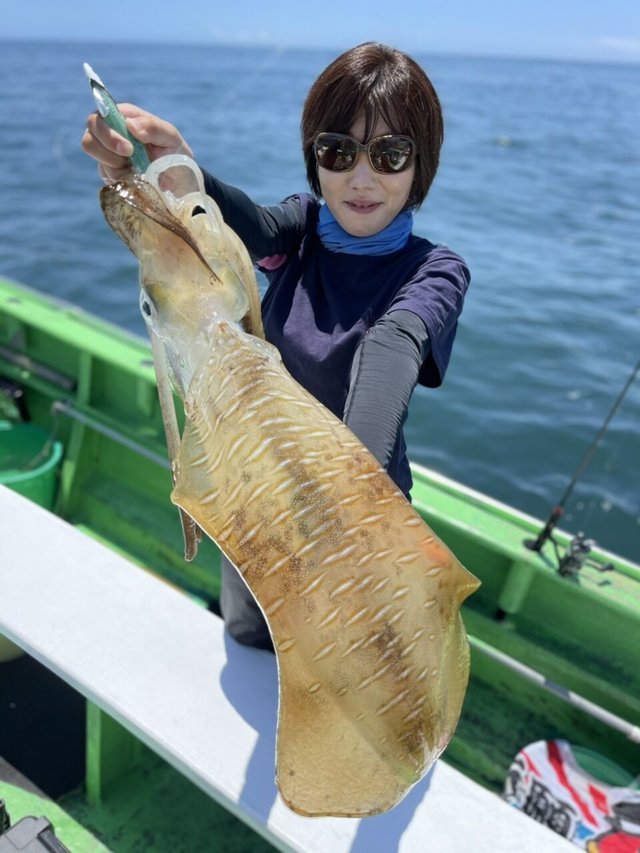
x: 577, y: 556
x: 578, y: 552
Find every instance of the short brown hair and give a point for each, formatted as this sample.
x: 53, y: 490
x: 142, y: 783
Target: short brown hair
x: 378, y: 82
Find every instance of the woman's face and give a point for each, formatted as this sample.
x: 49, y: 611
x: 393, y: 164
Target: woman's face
x: 363, y: 201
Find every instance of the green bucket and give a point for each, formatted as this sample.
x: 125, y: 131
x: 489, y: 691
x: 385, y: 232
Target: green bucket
x: 29, y: 462
x: 603, y: 768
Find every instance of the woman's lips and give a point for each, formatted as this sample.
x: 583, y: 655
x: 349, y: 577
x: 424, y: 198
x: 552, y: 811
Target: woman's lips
x: 363, y: 206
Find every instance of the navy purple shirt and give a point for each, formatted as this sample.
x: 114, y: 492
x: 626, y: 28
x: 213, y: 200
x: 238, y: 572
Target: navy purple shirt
x: 320, y: 304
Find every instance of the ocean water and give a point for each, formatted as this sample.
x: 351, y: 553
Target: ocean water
x: 539, y: 189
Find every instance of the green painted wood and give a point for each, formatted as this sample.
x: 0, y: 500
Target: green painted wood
x: 153, y: 809
x: 71, y: 832
x: 112, y: 754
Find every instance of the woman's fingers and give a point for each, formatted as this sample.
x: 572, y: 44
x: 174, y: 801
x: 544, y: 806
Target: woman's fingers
x: 154, y: 132
x: 112, y: 151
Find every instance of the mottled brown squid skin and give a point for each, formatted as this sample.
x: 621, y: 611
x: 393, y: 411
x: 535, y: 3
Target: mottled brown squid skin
x: 361, y: 597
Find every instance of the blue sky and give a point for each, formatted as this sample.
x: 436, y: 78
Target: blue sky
x: 563, y: 29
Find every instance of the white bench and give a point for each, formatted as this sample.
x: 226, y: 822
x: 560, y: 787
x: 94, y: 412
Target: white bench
x: 166, y: 670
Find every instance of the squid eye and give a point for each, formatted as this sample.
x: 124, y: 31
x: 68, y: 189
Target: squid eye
x: 146, y: 308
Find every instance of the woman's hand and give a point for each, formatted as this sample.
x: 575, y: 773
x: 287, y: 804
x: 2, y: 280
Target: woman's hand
x: 112, y: 150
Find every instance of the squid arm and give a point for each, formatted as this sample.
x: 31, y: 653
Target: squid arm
x: 191, y: 532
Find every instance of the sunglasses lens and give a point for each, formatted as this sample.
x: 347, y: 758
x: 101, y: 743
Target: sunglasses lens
x: 387, y: 154
x: 391, y: 154
x: 336, y: 153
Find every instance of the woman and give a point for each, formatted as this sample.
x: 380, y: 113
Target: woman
x: 359, y: 307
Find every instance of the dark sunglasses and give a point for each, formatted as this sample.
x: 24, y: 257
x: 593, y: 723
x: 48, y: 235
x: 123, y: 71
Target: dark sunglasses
x: 387, y: 154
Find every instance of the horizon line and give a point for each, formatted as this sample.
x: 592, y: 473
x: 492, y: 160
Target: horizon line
x: 279, y: 46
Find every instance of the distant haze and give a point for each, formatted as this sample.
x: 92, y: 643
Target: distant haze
x: 556, y: 29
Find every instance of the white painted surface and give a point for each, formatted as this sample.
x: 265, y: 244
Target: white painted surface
x: 167, y: 670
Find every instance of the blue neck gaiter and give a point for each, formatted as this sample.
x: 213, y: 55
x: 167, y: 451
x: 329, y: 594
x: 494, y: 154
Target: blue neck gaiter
x: 390, y: 239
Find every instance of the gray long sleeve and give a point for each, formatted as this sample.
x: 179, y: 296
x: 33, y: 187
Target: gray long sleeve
x: 384, y: 373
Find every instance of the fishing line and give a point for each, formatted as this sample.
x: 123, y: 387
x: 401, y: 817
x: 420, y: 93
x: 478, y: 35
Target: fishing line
x: 600, y: 502
x: 244, y: 82
x: 558, y: 511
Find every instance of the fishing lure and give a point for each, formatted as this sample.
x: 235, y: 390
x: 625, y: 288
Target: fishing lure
x: 111, y: 114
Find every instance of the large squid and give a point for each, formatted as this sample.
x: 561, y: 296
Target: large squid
x: 361, y: 598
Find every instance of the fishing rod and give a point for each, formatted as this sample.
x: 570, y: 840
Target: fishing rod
x: 558, y: 511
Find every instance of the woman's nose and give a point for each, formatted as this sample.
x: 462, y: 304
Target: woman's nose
x: 362, y: 174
